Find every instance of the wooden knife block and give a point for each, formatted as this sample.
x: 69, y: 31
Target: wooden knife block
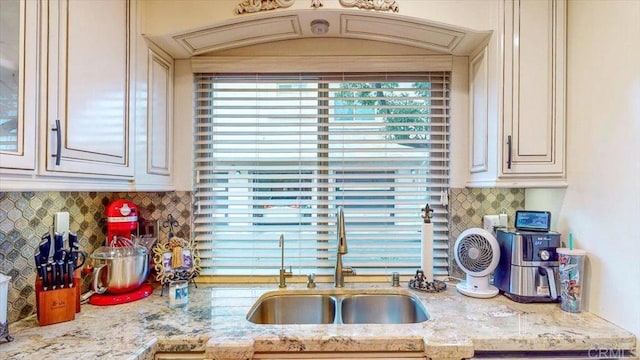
x: 56, y: 306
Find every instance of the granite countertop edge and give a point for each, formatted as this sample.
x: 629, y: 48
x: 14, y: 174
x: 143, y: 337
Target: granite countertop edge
x: 214, y: 324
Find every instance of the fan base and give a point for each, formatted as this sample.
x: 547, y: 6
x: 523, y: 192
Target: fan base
x: 489, y: 292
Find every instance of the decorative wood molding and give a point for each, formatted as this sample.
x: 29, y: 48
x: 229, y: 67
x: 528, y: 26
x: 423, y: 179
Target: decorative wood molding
x: 321, y: 63
x: 362, y: 25
x: 251, y: 6
x: 242, y: 33
x: 379, y: 5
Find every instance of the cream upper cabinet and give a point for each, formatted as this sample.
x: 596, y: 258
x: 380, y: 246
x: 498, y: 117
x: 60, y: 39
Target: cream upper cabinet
x: 83, y: 95
x: 534, y: 88
x: 526, y: 148
x: 19, y: 54
x: 88, y: 98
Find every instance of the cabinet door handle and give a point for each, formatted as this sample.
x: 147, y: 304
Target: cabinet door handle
x: 509, y: 152
x: 58, y: 153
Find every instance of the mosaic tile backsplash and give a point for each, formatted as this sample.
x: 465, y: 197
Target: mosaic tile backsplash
x: 468, y: 206
x: 26, y: 216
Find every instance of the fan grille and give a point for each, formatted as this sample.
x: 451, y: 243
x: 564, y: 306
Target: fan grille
x: 475, y: 252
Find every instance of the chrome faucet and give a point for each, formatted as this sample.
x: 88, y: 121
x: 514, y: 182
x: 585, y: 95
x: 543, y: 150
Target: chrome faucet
x: 283, y: 272
x: 341, y: 271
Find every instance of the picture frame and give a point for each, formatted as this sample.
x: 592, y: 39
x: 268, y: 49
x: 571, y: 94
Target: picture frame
x: 165, y: 265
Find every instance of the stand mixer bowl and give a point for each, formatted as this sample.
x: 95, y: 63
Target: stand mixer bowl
x: 119, y: 270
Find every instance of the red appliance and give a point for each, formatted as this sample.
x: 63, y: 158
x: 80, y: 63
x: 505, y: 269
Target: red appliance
x: 115, y: 299
x: 122, y: 219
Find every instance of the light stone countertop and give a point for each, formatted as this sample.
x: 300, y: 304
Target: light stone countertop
x: 214, y: 323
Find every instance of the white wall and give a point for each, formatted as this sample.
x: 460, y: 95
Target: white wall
x: 601, y: 206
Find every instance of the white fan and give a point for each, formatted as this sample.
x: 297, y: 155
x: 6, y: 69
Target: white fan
x: 477, y: 253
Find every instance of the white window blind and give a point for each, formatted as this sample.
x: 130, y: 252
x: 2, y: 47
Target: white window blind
x: 279, y: 153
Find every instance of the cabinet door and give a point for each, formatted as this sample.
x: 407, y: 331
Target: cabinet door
x: 534, y: 88
x: 19, y: 34
x: 89, y: 87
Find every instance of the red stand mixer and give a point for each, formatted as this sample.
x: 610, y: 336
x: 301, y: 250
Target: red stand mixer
x: 120, y: 268
x: 122, y: 221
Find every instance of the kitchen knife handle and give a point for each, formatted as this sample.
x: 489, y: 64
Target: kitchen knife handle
x: 58, y: 242
x: 44, y: 275
x: 73, y: 241
x: 70, y: 267
x: 54, y: 276
x: 58, y: 153
x: 42, y: 272
x: 509, y: 145
x: 61, y: 270
x: 41, y: 266
x: 36, y: 258
x: 44, y: 247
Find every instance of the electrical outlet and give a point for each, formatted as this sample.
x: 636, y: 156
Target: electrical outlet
x: 489, y: 222
x: 504, y: 220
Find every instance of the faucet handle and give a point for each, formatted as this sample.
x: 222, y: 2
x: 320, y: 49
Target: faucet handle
x: 395, y: 279
x: 283, y: 275
x: 311, y: 281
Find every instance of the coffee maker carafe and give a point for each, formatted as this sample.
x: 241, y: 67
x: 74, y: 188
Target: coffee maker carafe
x: 528, y: 267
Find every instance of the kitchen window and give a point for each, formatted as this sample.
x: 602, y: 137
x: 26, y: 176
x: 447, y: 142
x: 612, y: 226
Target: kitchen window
x: 279, y: 153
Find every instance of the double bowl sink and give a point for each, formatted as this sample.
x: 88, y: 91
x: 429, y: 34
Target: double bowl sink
x: 339, y: 307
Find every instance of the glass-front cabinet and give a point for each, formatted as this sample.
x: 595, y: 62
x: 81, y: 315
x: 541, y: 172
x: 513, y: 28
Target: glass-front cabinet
x: 19, y: 47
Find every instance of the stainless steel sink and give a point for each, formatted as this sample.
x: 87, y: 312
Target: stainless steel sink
x: 294, y: 309
x: 382, y: 309
x: 341, y: 307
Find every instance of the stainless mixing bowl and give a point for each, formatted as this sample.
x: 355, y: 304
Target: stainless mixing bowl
x: 119, y: 270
